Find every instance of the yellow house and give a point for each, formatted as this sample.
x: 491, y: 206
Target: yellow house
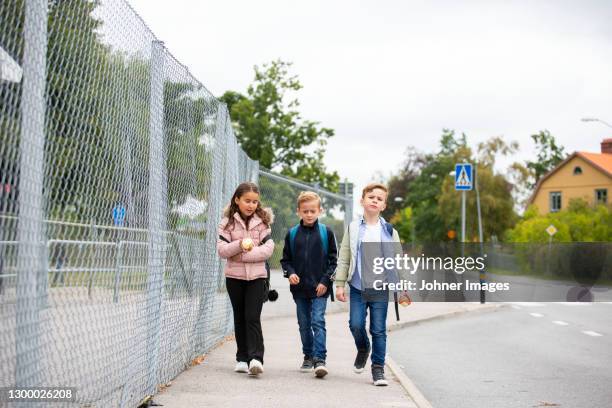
x: 582, y: 175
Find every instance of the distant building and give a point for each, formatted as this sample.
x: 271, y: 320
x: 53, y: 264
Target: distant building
x: 582, y: 175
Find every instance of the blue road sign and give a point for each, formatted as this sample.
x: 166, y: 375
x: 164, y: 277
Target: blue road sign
x: 463, y: 177
x: 119, y: 215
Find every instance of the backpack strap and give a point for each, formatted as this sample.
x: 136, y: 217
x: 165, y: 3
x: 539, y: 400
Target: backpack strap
x: 266, y: 263
x: 292, y: 233
x: 324, y: 239
x: 322, y: 233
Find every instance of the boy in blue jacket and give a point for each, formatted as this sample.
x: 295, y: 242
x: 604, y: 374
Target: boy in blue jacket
x: 309, y: 261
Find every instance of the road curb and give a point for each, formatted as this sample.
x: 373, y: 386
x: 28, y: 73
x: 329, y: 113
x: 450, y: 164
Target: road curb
x: 412, y: 390
x: 483, y: 309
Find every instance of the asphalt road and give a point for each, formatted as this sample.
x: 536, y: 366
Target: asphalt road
x: 526, y: 355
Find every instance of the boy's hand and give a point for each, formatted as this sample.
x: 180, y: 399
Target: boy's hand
x: 294, y: 279
x: 404, y: 299
x: 321, y: 289
x: 340, y: 294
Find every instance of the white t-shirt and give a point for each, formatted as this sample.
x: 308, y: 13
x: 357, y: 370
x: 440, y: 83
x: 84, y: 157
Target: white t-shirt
x: 372, y: 233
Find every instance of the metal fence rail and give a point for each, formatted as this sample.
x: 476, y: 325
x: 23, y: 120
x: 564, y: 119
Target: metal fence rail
x: 115, y: 165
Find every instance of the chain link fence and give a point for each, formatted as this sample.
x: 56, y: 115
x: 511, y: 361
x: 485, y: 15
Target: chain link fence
x: 280, y: 193
x: 115, y: 165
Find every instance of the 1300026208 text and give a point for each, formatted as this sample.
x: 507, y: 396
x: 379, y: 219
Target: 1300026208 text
x: 38, y: 394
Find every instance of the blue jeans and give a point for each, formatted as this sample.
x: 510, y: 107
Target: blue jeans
x: 311, y: 319
x: 378, y: 325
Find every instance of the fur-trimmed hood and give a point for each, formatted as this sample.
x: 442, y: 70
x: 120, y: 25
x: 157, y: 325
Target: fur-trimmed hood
x: 268, y: 210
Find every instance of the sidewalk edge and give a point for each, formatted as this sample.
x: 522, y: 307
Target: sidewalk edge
x: 412, y: 390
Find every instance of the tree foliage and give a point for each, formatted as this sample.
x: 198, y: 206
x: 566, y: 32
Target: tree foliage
x: 431, y: 206
x: 580, y: 222
x: 270, y: 128
x: 548, y: 155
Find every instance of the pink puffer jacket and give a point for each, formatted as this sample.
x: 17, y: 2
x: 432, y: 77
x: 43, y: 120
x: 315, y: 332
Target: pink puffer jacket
x: 245, y: 265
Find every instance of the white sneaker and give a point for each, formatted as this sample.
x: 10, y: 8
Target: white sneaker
x: 255, y: 367
x: 241, y: 367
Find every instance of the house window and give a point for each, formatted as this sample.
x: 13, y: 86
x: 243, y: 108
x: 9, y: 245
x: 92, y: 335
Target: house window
x: 577, y: 171
x: 555, y: 201
x: 601, y: 196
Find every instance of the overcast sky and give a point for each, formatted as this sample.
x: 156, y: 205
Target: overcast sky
x: 391, y: 74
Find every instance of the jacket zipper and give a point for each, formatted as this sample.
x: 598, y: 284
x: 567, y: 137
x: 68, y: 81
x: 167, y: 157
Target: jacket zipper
x: 306, y: 249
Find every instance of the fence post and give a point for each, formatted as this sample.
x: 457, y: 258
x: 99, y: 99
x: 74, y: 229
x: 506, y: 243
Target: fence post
x: 157, y: 212
x: 255, y: 172
x: 215, y: 205
x: 31, y: 265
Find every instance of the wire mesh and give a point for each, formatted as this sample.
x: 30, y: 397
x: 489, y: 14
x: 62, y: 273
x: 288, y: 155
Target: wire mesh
x: 280, y: 193
x: 115, y: 164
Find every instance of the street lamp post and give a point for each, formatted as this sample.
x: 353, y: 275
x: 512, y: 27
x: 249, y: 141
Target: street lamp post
x: 596, y: 120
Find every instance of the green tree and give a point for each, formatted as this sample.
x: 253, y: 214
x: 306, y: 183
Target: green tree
x: 270, y: 129
x: 403, y: 222
x: 549, y: 154
x: 496, y: 205
x: 398, y: 184
x: 424, y: 191
x: 433, y: 204
x: 496, y: 200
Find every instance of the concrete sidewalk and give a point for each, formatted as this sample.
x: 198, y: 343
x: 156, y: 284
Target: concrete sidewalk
x: 214, y: 384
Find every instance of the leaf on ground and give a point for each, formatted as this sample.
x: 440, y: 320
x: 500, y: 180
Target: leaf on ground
x: 547, y: 404
x: 198, y: 360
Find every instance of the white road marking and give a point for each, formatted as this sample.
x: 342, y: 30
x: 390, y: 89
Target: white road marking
x: 592, y: 333
x: 560, y: 323
x: 529, y: 304
x: 575, y: 303
x: 516, y: 307
x: 537, y: 314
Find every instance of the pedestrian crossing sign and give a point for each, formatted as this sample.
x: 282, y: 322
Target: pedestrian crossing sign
x: 463, y: 176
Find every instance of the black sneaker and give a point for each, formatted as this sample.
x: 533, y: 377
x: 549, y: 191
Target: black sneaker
x: 307, y: 365
x: 320, y: 369
x: 378, y: 375
x: 361, y: 360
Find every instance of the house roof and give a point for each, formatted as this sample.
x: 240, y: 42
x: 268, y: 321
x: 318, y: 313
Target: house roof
x: 600, y: 161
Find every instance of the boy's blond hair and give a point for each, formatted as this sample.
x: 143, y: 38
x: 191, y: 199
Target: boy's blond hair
x: 308, y: 196
x: 373, y: 186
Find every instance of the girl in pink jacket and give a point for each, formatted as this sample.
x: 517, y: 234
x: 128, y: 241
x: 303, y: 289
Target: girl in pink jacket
x: 244, y: 241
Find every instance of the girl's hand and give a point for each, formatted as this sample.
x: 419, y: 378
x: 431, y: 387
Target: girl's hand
x: 247, y: 244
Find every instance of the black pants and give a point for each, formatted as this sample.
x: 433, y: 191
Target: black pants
x: 247, y: 301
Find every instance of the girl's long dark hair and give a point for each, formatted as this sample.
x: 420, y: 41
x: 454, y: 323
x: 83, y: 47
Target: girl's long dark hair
x: 233, y: 208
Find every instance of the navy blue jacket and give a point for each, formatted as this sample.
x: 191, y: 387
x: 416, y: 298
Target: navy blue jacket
x: 309, y: 262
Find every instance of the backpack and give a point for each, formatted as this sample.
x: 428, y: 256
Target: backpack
x: 269, y: 294
x: 322, y: 234
x: 324, y: 240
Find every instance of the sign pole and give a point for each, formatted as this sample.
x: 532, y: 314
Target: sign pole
x: 463, y: 216
x: 464, y: 180
x: 480, y: 235
x: 551, y: 230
